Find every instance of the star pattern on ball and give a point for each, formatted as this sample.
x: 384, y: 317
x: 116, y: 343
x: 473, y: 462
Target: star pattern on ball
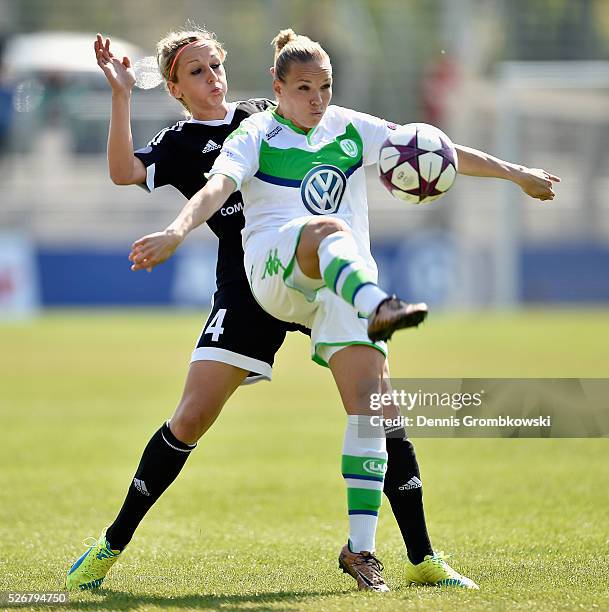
x: 411, y: 152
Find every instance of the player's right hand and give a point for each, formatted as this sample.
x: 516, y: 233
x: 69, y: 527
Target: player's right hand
x: 153, y: 249
x: 120, y: 74
x: 537, y: 183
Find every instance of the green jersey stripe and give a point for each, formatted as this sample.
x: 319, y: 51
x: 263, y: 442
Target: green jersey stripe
x: 291, y: 165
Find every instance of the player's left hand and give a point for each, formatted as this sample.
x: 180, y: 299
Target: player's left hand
x: 120, y: 74
x: 537, y: 183
x: 153, y: 249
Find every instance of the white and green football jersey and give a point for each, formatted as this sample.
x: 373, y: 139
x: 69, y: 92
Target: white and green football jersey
x: 284, y: 173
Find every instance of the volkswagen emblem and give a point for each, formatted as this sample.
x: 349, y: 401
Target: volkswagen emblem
x: 322, y: 189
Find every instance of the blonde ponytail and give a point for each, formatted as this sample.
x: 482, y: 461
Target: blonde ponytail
x: 282, y: 39
x: 291, y: 47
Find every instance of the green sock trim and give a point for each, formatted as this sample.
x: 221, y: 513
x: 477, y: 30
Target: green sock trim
x: 364, y: 499
x: 352, y: 283
x: 333, y: 270
x: 363, y: 466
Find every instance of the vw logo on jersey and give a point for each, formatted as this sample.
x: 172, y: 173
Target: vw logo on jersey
x: 322, y: 189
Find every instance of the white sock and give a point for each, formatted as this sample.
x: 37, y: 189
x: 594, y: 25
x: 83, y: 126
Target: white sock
x: 363, y: 466
x: 344, y: 272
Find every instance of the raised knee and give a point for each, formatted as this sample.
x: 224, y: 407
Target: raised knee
x: 324, y: 227
x: 331, y: 226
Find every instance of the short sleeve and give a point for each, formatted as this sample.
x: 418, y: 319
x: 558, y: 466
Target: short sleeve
x: 374, y: 132
x: 240, y: 154
x: 156, y: 157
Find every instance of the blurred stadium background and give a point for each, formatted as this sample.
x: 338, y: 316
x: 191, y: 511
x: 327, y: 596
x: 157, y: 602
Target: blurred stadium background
x: 527, y: 81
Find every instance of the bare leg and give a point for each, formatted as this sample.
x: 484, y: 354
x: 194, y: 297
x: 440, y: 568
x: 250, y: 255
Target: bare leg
x: 208, y: 385
x: 327, y: 250
x: 310, y: 238
x: 358, y: 372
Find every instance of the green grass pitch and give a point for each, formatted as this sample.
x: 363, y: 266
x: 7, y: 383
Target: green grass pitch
x: 257, y: 518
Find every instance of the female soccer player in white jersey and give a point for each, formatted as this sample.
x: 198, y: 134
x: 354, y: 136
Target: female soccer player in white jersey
x: 307, y: 257
x: 239, y: 339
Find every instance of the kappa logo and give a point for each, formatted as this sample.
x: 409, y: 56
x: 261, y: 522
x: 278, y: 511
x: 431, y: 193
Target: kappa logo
x: 273, y: 132
x: 322, y: 189
x: 349, y: 147
x: 272, y: 265
x: 374, y: 466
x: 210, y: 146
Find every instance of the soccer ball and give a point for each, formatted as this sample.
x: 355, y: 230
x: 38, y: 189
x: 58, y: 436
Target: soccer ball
x: 418, y: 163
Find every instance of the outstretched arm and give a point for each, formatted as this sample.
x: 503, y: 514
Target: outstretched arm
x: 153, y: 249
x: 124, y: 167
x: 535, y: 182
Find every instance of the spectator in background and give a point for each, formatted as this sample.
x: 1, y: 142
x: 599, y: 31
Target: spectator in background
x: 439, y: 79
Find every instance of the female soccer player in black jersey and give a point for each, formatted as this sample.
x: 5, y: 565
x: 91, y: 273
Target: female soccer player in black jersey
x: 239, y: 340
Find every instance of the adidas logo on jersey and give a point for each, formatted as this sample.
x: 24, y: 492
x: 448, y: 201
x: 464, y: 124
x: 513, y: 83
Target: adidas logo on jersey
x: 140, y: 485
x: 210, y: 146
x: 413, y: 483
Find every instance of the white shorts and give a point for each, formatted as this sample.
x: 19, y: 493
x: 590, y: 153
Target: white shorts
x: 277, y: 285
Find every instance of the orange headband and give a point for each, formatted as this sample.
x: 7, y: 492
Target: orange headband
x: 175, y: 59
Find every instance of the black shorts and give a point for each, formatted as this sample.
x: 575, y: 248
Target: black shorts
x: 239, y: 332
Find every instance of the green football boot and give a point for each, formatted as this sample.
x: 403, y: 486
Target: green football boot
x: 435, y: 571
x: 90, y: 570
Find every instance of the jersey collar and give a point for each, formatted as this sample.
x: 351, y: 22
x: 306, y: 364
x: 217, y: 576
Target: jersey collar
x: 232, y: 106
x: 287, y: 122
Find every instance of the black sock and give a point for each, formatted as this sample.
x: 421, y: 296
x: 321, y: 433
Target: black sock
x: 403, y: 489
x: 161, y: 462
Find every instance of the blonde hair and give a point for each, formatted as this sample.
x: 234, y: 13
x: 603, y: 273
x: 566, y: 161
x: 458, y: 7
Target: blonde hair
x: 291, y: 47
x: 169, y: 47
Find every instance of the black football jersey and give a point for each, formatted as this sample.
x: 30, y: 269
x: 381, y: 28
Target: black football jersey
x: 180, y: 155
